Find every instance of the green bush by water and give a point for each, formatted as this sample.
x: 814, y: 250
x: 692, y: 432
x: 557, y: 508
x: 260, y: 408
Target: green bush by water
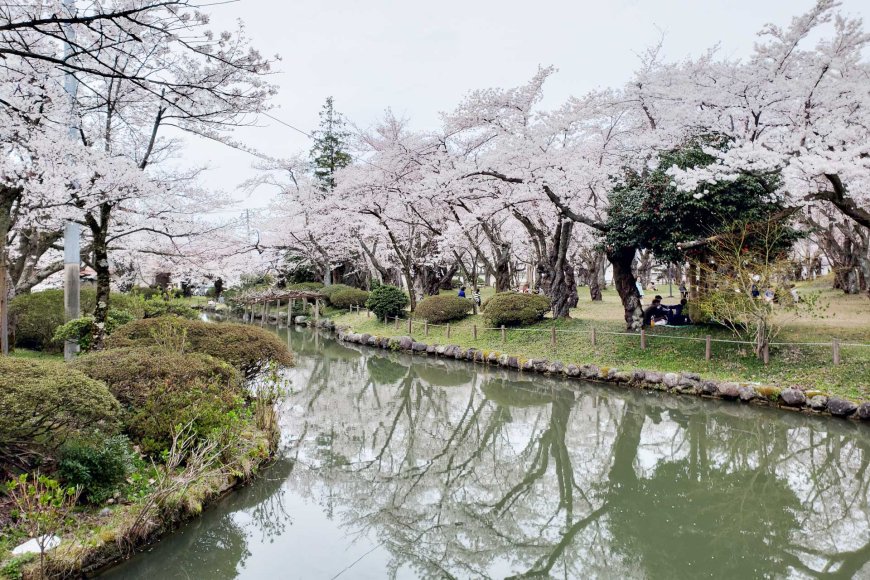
x: 443, y: 308
x: 386, y: 300
x: 247, y: 348
x: 344, y: 299
x: 97, y: 464
x: 161, y: 389
x: 515, y: 309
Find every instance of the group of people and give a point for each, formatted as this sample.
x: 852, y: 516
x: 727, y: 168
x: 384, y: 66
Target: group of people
x: 475, y: 295
x: 658, y: 314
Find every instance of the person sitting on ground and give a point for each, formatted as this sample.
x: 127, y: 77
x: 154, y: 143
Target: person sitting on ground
x: 676, y: 316
x: 462, y: 292
x: 654, y: 312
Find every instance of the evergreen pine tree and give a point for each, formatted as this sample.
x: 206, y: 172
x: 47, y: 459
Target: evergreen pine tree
x: 329, y: 154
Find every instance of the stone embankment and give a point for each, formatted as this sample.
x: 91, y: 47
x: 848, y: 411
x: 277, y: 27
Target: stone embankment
x: 684, y: 383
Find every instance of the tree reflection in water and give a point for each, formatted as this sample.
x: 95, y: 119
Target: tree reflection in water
x: 422, y: 467
x: 505, y: 475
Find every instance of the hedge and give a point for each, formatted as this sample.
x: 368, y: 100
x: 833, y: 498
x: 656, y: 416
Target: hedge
x: 247, y: 348
x: 306, y: 286
x: 45, y: 401
x: 328, y: 291
x: 515, y: 309
x: 36, y: 316
x: 445, y: 308
x: 344, y: 299
x: 162, y: 389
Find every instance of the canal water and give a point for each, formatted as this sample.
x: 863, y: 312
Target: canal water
x: 399, y: 466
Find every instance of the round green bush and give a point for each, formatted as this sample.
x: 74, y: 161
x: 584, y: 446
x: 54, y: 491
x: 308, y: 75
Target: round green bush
x: 444, y: 308
x: 36, y: 316
x: 95, y: 463
x: 157, y: 307
x: 162, y: 389
x: 386, y: 300
x: 344, y: 299
x: 515, y: 309
x: 328, y: 291
x: 45, y: 401
x: 247, y: 348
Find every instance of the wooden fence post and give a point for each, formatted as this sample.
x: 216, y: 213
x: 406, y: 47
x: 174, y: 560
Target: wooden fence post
x: 474, y: 331
x: 368, y: 313
x: 289, y: 312
x: 835, y: 350
x: 553, y: 336
x: 410, y: 328
x: 708, y: 348
x: 316, y: 310
x: 448, y: 330
x: 397, y: 323
x: 502, y: 334
x: 594, y: 338
x: 642, y: 339
x: 426, y: 328
x: 766, y: 354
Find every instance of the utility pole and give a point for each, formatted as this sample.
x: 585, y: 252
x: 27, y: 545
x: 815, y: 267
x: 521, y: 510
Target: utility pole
x: 72, y: 230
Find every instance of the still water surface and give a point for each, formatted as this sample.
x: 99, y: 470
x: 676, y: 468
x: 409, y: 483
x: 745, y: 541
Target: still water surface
x: 395, y: 466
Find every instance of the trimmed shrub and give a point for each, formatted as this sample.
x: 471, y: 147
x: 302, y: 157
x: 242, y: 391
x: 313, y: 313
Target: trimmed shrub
x: 344, y: 299
x: 247, y: 348
x: 132, y: 373
x: 437, y: 309
x: 157, y: 307
x: 386, y: 300
x: 35, y: 317
x: 44, y: 401
x: 328, y: 291
x: 515, y: 309
x: 82, y: 329
x: 306, y: 286
x: 162, y: 389
x: 97, y: 464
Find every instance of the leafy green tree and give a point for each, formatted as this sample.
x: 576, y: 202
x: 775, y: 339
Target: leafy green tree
x: 329, y: 153
x: 650, y: 212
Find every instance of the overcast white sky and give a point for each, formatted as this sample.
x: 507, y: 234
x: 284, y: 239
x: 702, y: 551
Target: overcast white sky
x: 420, y: 58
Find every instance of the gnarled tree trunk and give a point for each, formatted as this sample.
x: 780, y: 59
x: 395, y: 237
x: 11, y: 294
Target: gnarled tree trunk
x: 556, y: 274
x: 99, y: 227
x: 626, y: 286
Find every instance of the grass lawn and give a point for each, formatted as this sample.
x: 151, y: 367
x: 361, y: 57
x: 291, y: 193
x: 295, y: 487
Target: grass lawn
x: 35, y: 354
x: 811, y: 367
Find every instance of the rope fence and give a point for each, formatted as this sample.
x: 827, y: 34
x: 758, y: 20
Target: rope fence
x: 643, y: 336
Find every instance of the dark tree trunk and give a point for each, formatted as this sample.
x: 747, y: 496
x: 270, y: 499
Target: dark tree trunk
x: 595, y: 290
x: 626, y: 286
x: 556, y: 274
x: 594, y: 264
x: 99, y: 232
x: 432, y: 279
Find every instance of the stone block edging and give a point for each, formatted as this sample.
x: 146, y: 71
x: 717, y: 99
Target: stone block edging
x: 683, y: 383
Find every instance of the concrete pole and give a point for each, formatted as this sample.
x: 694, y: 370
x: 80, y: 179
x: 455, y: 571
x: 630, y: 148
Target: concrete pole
x: 4, y: 306
x: 71, y: 282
